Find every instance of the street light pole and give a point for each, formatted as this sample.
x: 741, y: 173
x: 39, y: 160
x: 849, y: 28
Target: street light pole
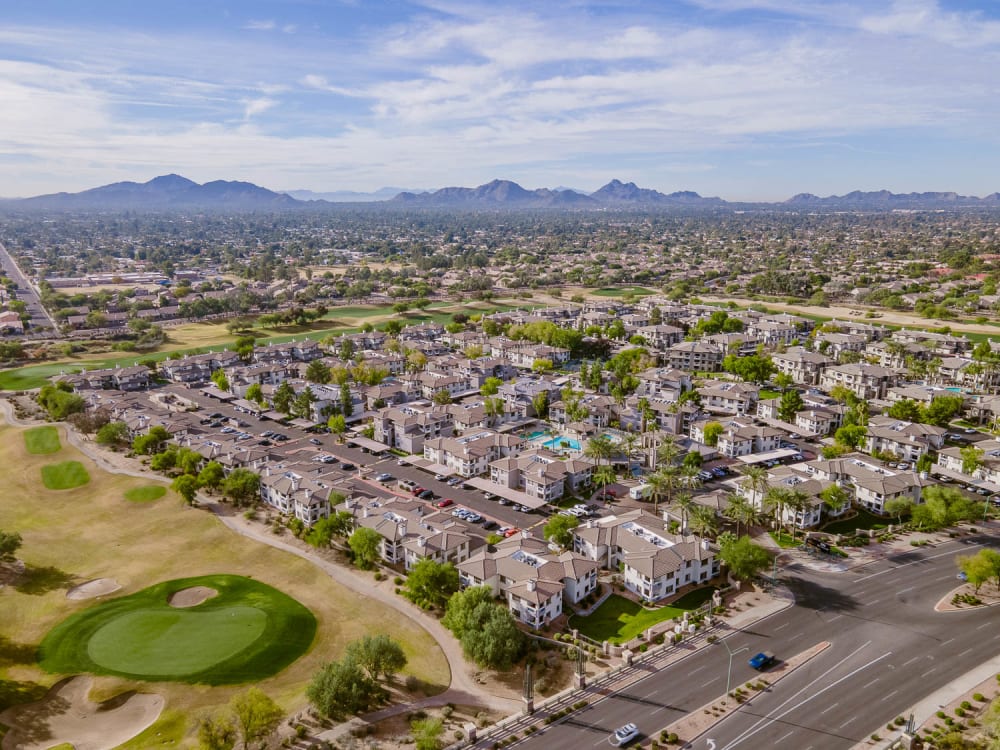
x: 729, y: 674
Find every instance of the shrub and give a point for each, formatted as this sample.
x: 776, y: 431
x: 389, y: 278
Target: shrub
x: 978, y: 697
x: 398, y: 581
x: 966, y: 705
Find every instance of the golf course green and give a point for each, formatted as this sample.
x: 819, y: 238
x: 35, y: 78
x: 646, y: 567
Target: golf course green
x: 246, y: 632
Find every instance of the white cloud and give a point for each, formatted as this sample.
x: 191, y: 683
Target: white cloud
x: 925, y: 18
x: 257, y: 106
x: 266, y: 25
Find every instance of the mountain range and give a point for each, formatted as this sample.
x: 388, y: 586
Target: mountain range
x: 172, y: 191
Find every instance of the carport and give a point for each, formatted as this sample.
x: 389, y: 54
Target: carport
x: 515, y: 496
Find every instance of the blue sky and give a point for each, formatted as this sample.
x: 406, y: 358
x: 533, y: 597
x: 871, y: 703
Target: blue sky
x: 745, y: 99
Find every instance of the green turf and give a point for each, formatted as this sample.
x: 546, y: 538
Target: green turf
x: 636, y: 291
x: 785, y: 540
x: 248, y: 632
x: 620, y: 620
x: 863, y: 520
x: 65, y: 475
x: 146, y: 494
x: 42, y: 440
x: 765, y: 393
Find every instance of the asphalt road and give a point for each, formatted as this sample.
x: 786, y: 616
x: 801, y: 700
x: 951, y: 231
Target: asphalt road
x: 26, y: 292
x: 889, y: 649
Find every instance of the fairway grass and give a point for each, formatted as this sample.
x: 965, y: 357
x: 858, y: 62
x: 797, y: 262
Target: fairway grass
x: 247, y: 633
x: 145, y: 494
x: 619, y: 620
x: 93, y: 532
x: 65, y: 475
x: 42, y: 440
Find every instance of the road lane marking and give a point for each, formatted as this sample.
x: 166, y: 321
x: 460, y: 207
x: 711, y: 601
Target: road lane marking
x: 849, y: 721
x: 888, y: 696
x: 928, y: 672
x: 965, y: 652
x: 827, y: 710
x: 905, y: 663
x: 874, y: 601
x: 780, y: 627
x: 762, y: 723
x: 710, y: 682
x: 945, y: 643
x: 903, y: 591
x: 783, y: 738
x: 914, y: 562
x: 985, y: 625
x: 869, y: 684
x: 696, y: 671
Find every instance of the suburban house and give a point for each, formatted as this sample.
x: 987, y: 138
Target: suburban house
x: 542, y: 474
x: 906, y: 440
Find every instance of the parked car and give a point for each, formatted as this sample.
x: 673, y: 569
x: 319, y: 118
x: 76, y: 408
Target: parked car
x: 426, y: 495
x: 762, y: 661
x: 490, y: 525
x: 384, y: 477
x: 440, y: 477
x: 444, y: 502
x: 315, y: 441
x: 347, y: 467
x: 511, y: 531
x: 624, y: 735
x: 417, y: 490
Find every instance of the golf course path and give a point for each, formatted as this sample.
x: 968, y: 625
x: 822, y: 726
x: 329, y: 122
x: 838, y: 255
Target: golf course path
x: 463, y: 689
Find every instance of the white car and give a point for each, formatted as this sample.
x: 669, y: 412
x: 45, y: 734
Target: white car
x: 624, y: 735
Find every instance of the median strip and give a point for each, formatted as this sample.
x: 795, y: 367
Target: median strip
x: 702, y: 719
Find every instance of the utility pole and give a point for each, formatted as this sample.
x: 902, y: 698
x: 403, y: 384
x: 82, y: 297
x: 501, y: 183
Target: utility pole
x: 729, y: 674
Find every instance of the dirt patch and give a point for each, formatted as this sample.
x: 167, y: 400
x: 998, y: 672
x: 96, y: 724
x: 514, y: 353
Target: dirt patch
x: 92, y: 589
x: 191, y: 597
x: 66, y: 715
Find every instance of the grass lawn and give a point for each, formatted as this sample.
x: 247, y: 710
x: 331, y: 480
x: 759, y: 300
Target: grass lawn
x: 766, y: 393
x: 785, y: 540
x: 248, y: 632
x: 65, y: 475
x: 636, y: 291
x: 620, y: 620
x: 42, y: 440
x: 93, y: 532
x: 146, y: 494
x: 863, y: 520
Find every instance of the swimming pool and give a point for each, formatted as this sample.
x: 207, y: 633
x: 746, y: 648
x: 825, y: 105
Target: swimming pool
x: 560, y: 443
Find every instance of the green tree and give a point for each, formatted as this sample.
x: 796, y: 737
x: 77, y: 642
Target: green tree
x: 540, y: 403
x: 59, y: 401
x: 342, y: 688
x: 10, y: 543
x: 559, y: 530
x: 430, y: 583
x: 542, y: 365
x: 338, y: 425
x: 379, y: 655
x: 711, y: 432
x: 703, y: 522
x: 851, y: 436
x: 755, y: 368
x: 942, y: 410
x: 365, y: 544
x: 442, y: 397
x: 255, y: 393
x: 899, y: 508
x: 740, y: 510
x: 791, y: 404
x: 905, y: 409
x: 242, y: 486
x: 151, y: 442
x: 187, y: 487
x: 164, y: 461
x: 321, y: 533
x: 212, y: 475
x: 318, y: 372
x: 284, y: 395
x: 217, y: 733
x: 346, y: 400
x: 220, y: 380
x: 257, y: 717
x: 303, y: 403
x: 188, y: 460
x: 490, y: 386
x: 495, y: 642
x: 603, y: 476
x: 972, y: 459
x: 463, y: 606
x: 427, y: 733
x: 742, y: 556
x: 978, y: 569
x: 834, y: 497
x: 114, y: 434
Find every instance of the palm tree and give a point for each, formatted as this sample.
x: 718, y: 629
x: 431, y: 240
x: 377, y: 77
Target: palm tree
x: 668, y: 452
x: 703, y: 521
x: 604, y: 475
x: 740, y: 510
x: 796, y: 501
x: 689, y: 478
x: 598, y: 448
x: 755, y: 480
x: 685, y: 504
x: 628, y: 443
x: 834, y: 497
x: 660, y: 483
x: 774, y: 503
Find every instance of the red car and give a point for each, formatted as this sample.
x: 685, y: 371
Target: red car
x: 511, y: 532
x: 417, y: 490
x: 444, y: 503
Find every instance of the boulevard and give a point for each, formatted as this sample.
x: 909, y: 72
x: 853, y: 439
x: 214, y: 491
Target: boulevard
x: 889, y: 649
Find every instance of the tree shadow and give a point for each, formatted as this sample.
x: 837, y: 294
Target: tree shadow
x: 813, y: 595
x: 12, y: 652
x: 41, y: 580
x: 32, y: 721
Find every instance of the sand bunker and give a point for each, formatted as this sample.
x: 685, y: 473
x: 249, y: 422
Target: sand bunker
x: 191, y: 597
x: 91, y: 589
x: 65, y: 715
